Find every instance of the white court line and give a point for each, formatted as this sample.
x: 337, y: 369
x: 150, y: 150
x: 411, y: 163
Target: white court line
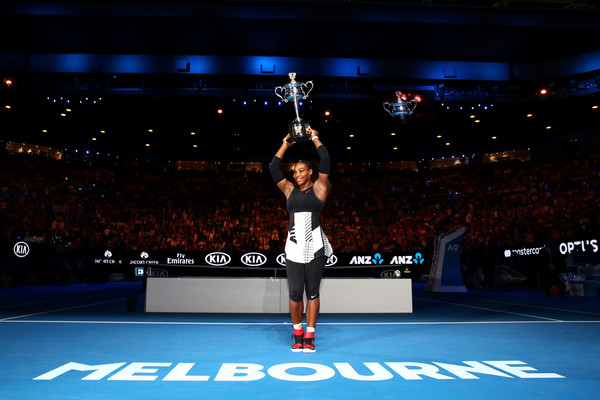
x: 60, y: 300
x: 58, y: 310
x: 14, y: 319
x: 490, y: 309
x: 289, y: 323
x: 542, y: 307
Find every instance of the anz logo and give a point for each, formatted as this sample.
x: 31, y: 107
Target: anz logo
x: 254, y: 259
x: 217, y: 258
x: 377, y: 259
x: 418, y: 259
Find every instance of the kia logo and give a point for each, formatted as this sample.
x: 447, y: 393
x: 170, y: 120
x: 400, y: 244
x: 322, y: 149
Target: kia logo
x: 391, y: 274
x: 21, y: 249
x: 159, y: 273
x: 254, y: 259
x: 281, y: 259
x: 387, y: 274
x: 217, y: 259
x: 331, y: 260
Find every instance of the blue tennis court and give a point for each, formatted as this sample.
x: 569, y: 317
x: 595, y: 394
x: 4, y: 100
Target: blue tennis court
x: 82, y: 341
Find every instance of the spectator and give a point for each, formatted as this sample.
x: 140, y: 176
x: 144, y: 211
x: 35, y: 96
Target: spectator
x: 503, y: 204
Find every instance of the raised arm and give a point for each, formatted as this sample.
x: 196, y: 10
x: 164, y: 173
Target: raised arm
x: 275, y: 169
x: 321, y: 185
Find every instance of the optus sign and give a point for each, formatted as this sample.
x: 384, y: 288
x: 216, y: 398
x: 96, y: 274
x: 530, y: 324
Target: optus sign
x: 583, y: 246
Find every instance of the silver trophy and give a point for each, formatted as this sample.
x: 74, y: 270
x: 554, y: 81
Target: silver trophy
x: 401, y: 107
x: 294, y: 92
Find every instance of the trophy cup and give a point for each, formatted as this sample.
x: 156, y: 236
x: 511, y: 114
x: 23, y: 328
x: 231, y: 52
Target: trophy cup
x: 401, y: 107
x: 294, y: 92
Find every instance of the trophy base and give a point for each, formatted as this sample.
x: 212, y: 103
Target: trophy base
x: 297, y: 130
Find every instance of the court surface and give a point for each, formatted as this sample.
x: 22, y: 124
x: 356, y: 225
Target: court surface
x: 82, y: 342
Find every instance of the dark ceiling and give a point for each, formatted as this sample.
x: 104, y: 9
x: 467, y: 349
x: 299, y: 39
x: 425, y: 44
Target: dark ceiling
x: 536, y: 35
x: 433, y: 30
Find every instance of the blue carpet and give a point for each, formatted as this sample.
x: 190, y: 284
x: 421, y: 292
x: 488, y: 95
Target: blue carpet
x: 495, y: 345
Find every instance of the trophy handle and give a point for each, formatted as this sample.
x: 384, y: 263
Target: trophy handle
x: 386, y: 107
x: 305, y: 85
x: 411, y: 105
x: 280, y: 89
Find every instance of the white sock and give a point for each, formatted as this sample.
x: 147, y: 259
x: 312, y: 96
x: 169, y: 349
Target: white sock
x: 298, y: 327
x: 310, y: 329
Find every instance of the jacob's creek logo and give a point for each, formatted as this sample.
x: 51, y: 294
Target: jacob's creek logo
x: 21, y: 249
x: 377, y: 259
x: 331, y: 260
x: 217, y: 259
x: 298, y: 372
x: 143, y: 260
x: 107, y: 259
x: 254, y: 259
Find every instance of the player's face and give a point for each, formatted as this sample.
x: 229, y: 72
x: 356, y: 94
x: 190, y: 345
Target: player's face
x: 302, y: 174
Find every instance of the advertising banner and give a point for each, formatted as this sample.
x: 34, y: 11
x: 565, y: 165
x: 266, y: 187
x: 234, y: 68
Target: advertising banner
x: 28, y: 255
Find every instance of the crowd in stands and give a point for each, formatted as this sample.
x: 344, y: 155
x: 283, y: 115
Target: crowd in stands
x: 78, y: 205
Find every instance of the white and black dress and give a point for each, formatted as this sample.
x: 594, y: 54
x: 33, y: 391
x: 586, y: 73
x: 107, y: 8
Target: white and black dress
x: 307, y: 247
x: 305, y: 240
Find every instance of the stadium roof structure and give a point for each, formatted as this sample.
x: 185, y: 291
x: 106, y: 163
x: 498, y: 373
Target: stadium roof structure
x: 196, y: 79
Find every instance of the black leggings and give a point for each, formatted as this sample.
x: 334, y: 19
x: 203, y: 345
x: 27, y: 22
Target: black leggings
x: 301, y: 275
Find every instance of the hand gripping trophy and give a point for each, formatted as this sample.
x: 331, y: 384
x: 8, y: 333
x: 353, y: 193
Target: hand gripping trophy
x: 294, y: 92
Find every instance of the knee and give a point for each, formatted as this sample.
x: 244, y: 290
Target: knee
x: 312, y: 294
x: 295, y: 296
x: 295, y: 290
